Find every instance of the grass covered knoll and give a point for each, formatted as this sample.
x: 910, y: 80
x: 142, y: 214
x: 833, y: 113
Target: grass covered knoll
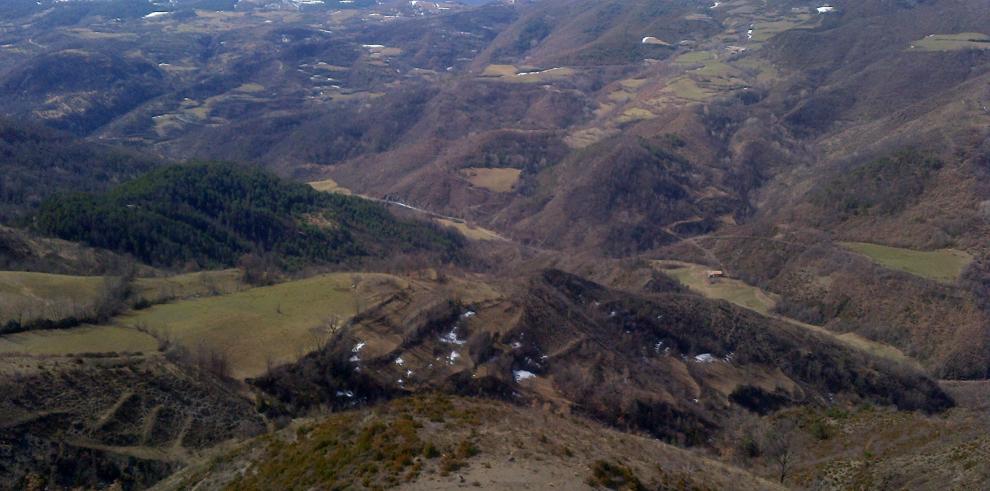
x: 213, y: 214
x: 256, y: 329
x: 944, y: 265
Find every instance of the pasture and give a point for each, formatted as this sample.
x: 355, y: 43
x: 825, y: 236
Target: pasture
x: 267, y: 326
x: 952, y: 42
x: 734, y: 291
x: 79, y: 340
x: 943, y: 265
x: 469, y: 231
x: 28, y: 296
x: 329, y: 186
x: 496, y: 179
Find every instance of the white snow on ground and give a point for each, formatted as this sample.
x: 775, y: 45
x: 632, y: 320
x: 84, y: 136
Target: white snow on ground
x: 373, y: 46
x: 824, y: 9
x: 715, y: 5
x: 658, y: 346
x: 345, y: 393
x: 453, y: 357
x: 520, y: 375
x: 451, y: 337
x: 705, y: 358
x: 399, y: 361
x: 356, y: 349
x: 516, y: 345
x: 749, y: 33
x: 156, y: 14
x: 538, y: 72
x: 469, y: 314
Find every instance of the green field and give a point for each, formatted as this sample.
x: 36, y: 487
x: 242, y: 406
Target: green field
x: 694, y: 277
x: 29, y: 296
x: 944, y: 265
x: 85, y: 339
x: 187, y: 285
x: 268, y: 325
x: 696, y: 57
x: 952, y: 42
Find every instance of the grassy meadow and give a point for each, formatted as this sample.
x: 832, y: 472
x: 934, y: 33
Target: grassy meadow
x: 268, y: 325
x: 734, y: 291
x: 28, y: 296
x: 497, y: 179
x: 952, y: 42
x: 84, y: 339
x: 944, y: 265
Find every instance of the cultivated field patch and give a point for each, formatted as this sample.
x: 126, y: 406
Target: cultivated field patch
x: 944, y: 265
x: 952, y: 42
x: 497, y: 179
x: 262, y: 327
x: 27, y: 296
x: 329, y: 186
x: 470, y: 231
x: 79, y: 340
x: 695, y: 277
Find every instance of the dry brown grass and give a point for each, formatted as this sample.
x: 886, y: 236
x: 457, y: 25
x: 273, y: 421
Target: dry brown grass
x: 497, y: 179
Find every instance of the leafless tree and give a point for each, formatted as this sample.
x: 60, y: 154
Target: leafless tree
x: 322, y: 333
x: 777, y: 444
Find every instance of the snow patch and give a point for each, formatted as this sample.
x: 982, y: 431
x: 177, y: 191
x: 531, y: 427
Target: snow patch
x: 451, y: 337
x: 824, y: 9
x: 345, y: 393
x: 452, y: 358
x: 399, y: 361
x: 156, y: 14
x: 705, y: 358
x: 520, y: 375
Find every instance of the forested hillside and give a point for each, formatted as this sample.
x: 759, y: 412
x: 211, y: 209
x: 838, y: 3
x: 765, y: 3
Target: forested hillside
x: 36, y: 161
x: 212, y: 214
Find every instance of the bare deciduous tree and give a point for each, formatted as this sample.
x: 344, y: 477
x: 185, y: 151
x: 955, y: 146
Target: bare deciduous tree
x: 777, y: 444
x: 322, y: 333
